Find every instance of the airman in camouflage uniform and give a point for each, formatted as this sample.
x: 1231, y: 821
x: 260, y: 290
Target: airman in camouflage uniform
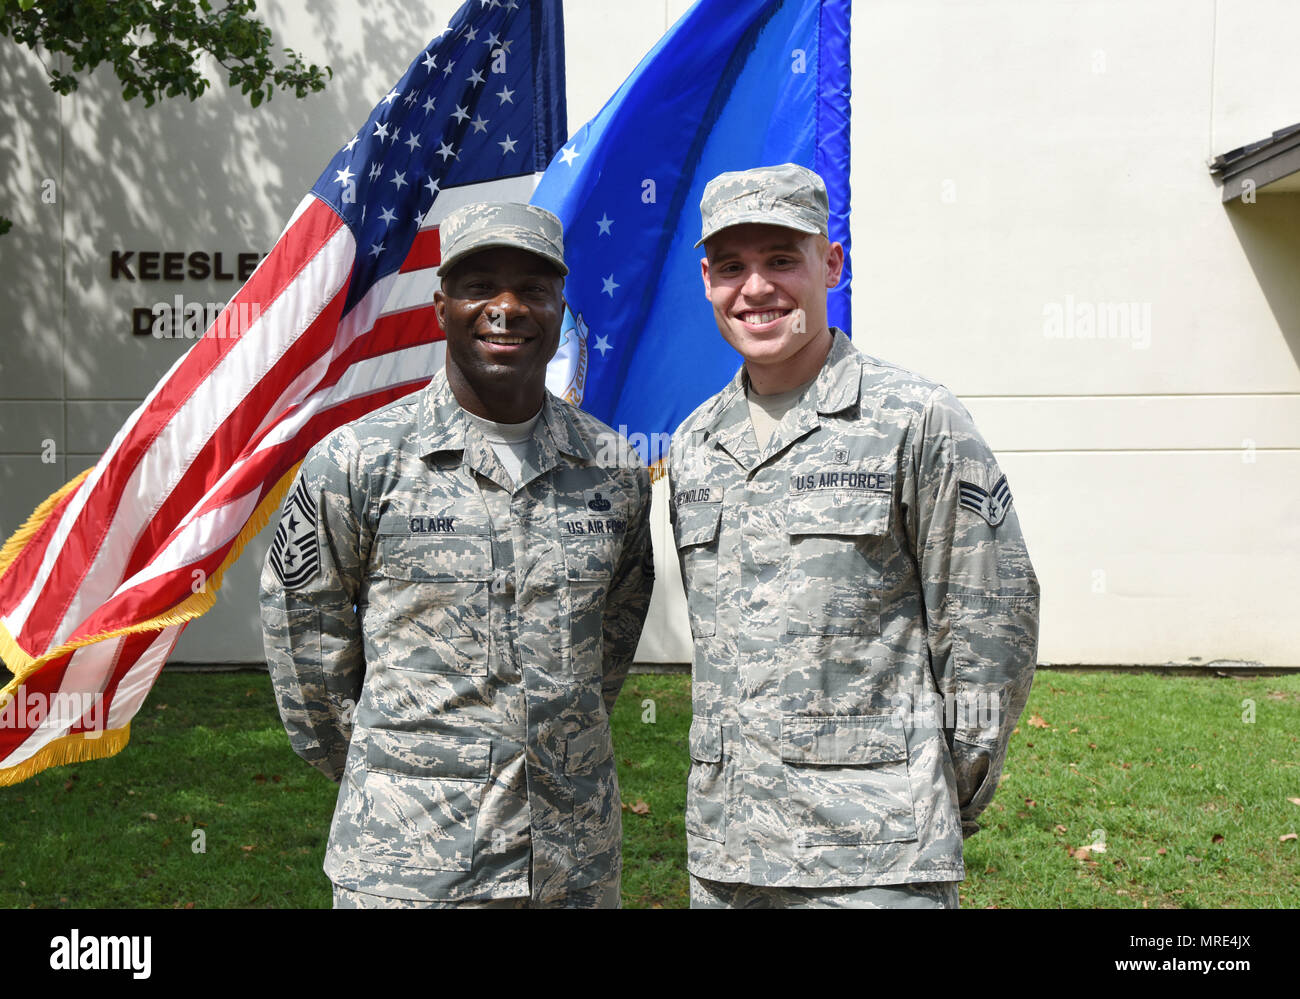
x: 446, y: 638
x: 863, y: 608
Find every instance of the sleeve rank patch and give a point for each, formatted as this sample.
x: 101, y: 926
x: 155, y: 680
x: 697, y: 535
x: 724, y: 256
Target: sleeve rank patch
x: 991, y: 504
x: 294, y: 554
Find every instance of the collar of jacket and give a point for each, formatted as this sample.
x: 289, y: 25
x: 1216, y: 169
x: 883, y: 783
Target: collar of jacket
x: 838, y: 386
x: 443, y: 426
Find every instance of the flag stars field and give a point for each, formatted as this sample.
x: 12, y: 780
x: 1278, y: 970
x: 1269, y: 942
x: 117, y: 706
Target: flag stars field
x: 508, y: 146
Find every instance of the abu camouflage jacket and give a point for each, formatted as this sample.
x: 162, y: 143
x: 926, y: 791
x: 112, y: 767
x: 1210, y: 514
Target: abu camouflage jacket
x: 449, y: 645
x: 865, y: 622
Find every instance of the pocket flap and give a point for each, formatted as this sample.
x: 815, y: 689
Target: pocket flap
x: 842, y: 739
x: 413, y: 754
x: 838, y: 511
x: 697, y: 523
x: 706, y: 740
x: 586, y: 749
x: 433, y: 558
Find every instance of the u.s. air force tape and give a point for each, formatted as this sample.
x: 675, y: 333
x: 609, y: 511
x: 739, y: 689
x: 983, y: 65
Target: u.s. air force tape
x: 295, y: 555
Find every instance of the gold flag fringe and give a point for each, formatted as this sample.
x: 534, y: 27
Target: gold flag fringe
x: 76, y: 747
x: 72, y: 748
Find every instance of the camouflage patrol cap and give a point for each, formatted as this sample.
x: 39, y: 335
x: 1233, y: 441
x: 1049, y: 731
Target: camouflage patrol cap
x: 786, y: 195
x: 485, y: 225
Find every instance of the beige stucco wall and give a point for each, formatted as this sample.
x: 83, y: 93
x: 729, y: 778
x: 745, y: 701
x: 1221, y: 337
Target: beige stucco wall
x: 1012, y: 160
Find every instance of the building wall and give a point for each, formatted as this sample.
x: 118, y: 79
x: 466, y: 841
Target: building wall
x: 1014, y: 164
x: 1020, y: 165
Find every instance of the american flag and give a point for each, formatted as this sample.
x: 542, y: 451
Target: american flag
x: 97, y: 586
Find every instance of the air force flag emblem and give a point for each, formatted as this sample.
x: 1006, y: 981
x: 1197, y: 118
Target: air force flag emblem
x: 991, y: 504
x: 294, y: 554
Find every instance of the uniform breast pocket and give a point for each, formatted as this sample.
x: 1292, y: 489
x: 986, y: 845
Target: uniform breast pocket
x: 589, y: 560
x: 422, y: 799
x: 428, y: 602
x: 697, y: 549
x: 835, y: 562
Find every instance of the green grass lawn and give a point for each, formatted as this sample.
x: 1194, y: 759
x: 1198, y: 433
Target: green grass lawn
x: 1189, y: 800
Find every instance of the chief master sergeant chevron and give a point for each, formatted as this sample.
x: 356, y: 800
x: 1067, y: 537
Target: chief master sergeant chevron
x: 864, y: 613
x: 453, y: 598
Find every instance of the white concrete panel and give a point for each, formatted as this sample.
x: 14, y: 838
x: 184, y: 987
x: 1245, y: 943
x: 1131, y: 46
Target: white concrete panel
x: 1256, y: 73
x: 32, y: 197
x: 603, y: 43
x: 367, y: 44
x: 25, y: 482
x: 31, y: 426
x: 1243, y: 423
x: 1163, y: 557
x: 1015, y: 163
x: 92, y: 423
